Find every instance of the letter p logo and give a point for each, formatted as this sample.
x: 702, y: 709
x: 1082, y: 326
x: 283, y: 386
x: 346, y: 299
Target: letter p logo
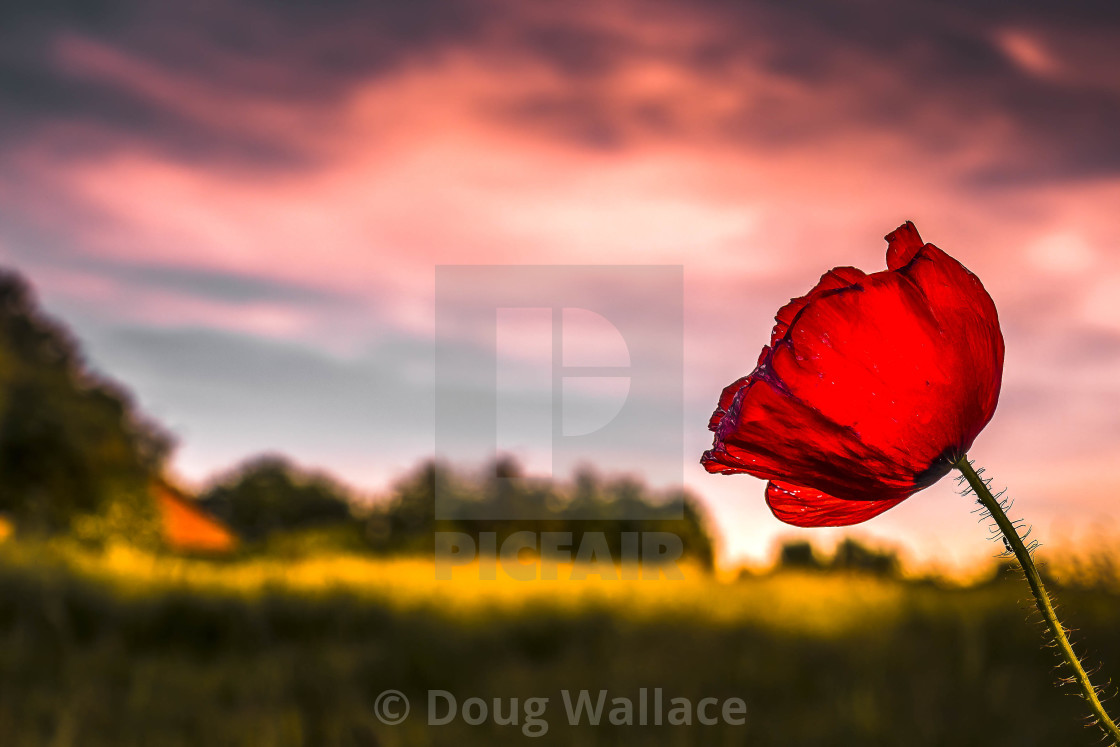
x: 561, y: 366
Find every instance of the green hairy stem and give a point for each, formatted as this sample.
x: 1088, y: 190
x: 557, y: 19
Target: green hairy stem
x: 1042, y: 599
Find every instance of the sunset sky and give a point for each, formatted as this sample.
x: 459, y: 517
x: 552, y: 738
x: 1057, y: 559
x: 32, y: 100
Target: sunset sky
x: 239, y: 207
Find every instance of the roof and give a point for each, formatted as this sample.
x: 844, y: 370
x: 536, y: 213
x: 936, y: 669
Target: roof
x: 186, y: 527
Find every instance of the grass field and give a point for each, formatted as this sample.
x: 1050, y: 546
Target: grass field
x: 123, y: 648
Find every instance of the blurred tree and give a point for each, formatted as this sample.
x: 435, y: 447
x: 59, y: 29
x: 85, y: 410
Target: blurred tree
x: 71, y: 442
x: 268, y: 493
x: 852, y: 555
x: 798, y: 555
x: 407, y: 522
x: 503, y: 500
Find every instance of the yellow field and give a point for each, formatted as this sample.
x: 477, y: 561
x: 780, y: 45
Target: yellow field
x: 796, y: 602
x: 133, y: 648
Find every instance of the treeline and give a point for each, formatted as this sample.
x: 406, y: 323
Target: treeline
x: 277, y: 506
x: 850, y: 555
x: 500, y: 499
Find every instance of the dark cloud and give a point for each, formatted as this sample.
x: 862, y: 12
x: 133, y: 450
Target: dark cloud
x: 576, y: 49
x: 586, y: 119
x: 947, y: 60
x: 933, y: 73
x: 877, y: 65
x: 299, y: 54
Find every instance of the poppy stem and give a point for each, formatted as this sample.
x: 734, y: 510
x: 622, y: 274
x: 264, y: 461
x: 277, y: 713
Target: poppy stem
x: 1041, y: 597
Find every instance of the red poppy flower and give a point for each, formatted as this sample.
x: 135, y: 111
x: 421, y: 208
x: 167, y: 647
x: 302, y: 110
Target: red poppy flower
x: 871, y: 388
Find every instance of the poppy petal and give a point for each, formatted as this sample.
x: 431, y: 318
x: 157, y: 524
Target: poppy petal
x: 726, y: 398
x: 798, y: 421
x: 805, y: 507
x: 834, y: 279
x: 770, y: 434
x: 870, y: 359
x: 909, y: 360
x: 974, y: 349
x: 902, y: 244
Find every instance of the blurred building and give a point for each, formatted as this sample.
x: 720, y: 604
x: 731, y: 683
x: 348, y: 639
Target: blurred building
x: 186, y: 527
